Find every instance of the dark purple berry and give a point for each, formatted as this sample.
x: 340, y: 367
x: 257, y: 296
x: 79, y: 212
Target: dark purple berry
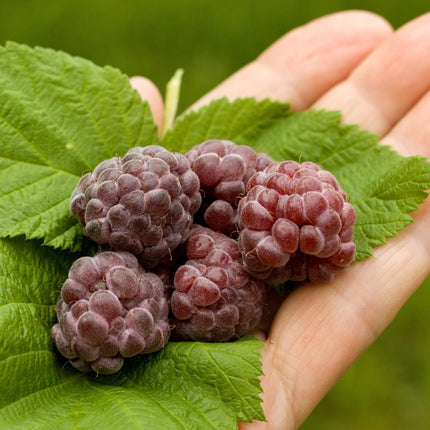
x: 122, y: 312
x: 224, y: 169
x: 142, y: 203
x: 214, y: 298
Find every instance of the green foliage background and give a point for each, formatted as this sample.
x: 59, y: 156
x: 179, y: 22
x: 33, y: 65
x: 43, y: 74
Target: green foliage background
x: 389, y: 386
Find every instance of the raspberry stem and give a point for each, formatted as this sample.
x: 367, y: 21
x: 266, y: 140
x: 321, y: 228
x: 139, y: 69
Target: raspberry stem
x: 171, y: 101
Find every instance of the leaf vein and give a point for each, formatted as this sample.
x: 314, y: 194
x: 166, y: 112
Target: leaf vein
x: 228, y: 380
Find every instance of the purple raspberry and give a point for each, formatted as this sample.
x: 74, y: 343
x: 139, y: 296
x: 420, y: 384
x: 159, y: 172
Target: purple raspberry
x: 109, y: 309
x: 296, y: 224
x: 143, y: 202
x: 224, y: 169
x: 214, y: 298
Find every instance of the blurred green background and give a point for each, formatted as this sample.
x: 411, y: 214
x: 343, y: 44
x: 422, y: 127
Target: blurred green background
x: 389, y: 386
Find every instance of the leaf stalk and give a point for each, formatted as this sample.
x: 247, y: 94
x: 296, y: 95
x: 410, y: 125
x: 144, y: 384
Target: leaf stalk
x: 171, y: 101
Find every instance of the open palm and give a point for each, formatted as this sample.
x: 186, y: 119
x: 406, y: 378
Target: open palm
x: 380, y: 80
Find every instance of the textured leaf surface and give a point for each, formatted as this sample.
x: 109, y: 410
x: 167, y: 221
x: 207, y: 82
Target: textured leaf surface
x: 59, y: 117
x: 383, y: 186
x: 187, y: 385
x: 241, y: 120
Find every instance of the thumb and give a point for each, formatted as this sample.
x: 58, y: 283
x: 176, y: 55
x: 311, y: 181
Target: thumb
x: 150, y: 93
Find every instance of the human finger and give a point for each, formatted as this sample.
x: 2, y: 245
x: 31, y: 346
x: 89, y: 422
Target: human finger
x: 308, y: 61
x: 149, y: 92
x: 410, y: 136
x: 384, y: 87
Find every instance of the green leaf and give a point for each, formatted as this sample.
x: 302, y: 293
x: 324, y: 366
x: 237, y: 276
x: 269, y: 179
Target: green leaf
x: 241, y: 120
x: 187, y: 385
x: 59, y: 117
x: 62, y: 115
x: 383, y: 186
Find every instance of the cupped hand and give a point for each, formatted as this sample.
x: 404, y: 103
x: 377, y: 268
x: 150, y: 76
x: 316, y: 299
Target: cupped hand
x: 380, y: 80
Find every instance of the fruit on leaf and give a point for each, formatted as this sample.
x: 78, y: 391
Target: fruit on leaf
x: 224, y: 169
x: 293, y: 221
x: 214, y: 298
x: 109, y: 309
x: 143, y: 202
x: 296, y: 224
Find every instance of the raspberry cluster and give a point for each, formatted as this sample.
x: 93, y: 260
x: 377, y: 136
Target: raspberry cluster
x: 214, y: 298
x: 170, y: 265
x: 224, y: 169
x: 110, y: 308
x: 295, y: 224
x: 143, y: 202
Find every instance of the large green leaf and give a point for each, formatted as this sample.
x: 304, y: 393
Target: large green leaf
x: 59, y: 117
x: 187, y: 385
x: 241, y: 120
x: 62, y: 115
x: 383, y: 186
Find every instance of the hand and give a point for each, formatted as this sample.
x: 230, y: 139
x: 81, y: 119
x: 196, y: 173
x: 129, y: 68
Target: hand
x: 379, y: 79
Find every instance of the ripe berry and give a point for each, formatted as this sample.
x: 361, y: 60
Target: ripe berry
x: 295, y: 224
x: 109, y: 309
x: 214, y: 298
x: 143, y: 202
x: 224, y: 169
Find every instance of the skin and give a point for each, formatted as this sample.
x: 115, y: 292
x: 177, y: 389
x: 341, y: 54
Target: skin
x: 379, y: 79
